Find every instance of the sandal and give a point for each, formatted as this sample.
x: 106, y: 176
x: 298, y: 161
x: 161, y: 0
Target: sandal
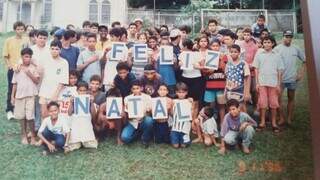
x: 260, y: 128
x: 276, y: 129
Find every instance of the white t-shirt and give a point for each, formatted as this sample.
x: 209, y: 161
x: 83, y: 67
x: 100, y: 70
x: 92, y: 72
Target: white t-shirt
x: 210, y: 127
x: 56, y: 71
x: 81, y: 129
x: 40, y: 55
x: 61, y: 126
x: 194, y: 58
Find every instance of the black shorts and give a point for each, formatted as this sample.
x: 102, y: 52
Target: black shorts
x: 195, y: 87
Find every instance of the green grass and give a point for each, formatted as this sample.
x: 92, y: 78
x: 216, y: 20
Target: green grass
x: 287, y: 156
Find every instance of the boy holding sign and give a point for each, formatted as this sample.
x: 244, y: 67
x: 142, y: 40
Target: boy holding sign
x: 138, y: 107
x: 82, y: 112
x: 161, y: 108
x: 111, y: 113
x: 182, y: 117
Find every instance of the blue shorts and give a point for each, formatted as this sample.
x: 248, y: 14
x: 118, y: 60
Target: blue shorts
x: 290, y: 86
x: 179, y: 138
x: 212, y: 95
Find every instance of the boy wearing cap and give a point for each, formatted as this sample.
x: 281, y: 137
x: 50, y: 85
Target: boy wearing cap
x: 175, y: 37
x: 139, y: 23
x: 291, y: 55
x: 150, y: 81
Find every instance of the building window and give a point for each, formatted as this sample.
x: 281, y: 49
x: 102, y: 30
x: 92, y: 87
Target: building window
x: 1, y: 10
x: 93, y: 11
x: 105, y: 12
x: 47, y: 11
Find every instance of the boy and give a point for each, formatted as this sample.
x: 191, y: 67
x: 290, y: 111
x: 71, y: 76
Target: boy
x: 68, y: 52
x: 11, y: 54
x: 213, y: 29
x: 269, y: 67
x: 89, y: 59
x: 86, y: 26
x: 238, y: 78
x: 132, y: 32
x: 103, y: 41
x: 94, y: 28
x: 123, y: 79
x: 54, y: 130
x: 237, y: 126
x: 259, y: 25
x: 150, y: 81
x: 23, y: 95
x: 291, y: 75
x: 180, y: 130
x: 135, y: 125
x: 56, y: 75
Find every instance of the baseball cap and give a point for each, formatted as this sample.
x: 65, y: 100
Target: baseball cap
x: 138, y: 19
x: 288, y: 33
x: 175, y: 33
x: 149, y: 68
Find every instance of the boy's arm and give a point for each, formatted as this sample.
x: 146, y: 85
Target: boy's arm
x: 247, y: 83
x: 67, y: 139
x: 35, y: 78
x: 13, y: 94
x: 102, y: 110
x: 70, y: 110
x: 57, y: 92
x: 93, y: 111
x: 301, y: 71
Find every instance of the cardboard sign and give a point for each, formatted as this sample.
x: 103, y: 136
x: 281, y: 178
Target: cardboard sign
x: 166, y: 55
x: 212, y: 60
x: 135, y: 107
x: 159, y: 108
x: 113, y: 108
x: 82, y: 105
x: 182, y: 110
x: 140, y: 53
x: 64, y: 106
x: 118, y: 51
x: 188, y: 60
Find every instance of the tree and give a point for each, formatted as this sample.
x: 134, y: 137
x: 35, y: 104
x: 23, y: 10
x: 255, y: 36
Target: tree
x: 160, y: 4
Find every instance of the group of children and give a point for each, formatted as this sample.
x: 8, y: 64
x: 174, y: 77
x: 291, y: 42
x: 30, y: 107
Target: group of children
x: 45, y: 75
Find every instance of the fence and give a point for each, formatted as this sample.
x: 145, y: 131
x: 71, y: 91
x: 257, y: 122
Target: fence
x: 278, y: 20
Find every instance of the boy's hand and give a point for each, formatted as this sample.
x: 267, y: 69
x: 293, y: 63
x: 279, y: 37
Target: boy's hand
x: 51, y: 147
x: 13, y: 100
x: 93, y: 58
x: 299, y: 77
x: 243, y: 126
x: 257, y: 87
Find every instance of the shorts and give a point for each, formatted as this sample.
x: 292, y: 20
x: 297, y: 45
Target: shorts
x: 43, y: 100
x: 214, y: 96
x: 195, y: 86
x: 179, y: 138
x: 289, y: 86
x: 268, y: 97
x: 24, y: 108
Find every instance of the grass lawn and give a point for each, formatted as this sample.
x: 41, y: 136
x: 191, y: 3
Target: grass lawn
x: 287, y: 156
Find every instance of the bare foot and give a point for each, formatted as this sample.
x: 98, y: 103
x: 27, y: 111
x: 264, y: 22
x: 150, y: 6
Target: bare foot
x: 39, y: 143
x: 245, y: 150
x: 197, y: 140
x: 222, y: 151
x: 45, y: 153
x: 33, y: 141
x: 119, y: 142
x: 217, y: 144
x: 24, y: 140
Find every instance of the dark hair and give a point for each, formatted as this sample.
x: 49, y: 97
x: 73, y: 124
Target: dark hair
x: 52, y: 103
x: 239, y: 29
x: 164, y: 26
x: 247, y: 30
x: 264, y: 30
x: 135, y: 82
x: 115, y: 32
x: 53, y: 30
x: 149, y: 67
x: 82, y: 84
x: 56, y: 43
x: 261, y: 16
x: 213, y: 21
x: 33, y: 33
x: 26, y: 51
x: 123, y: 32
x: 208, y: 111
x: 91, y: 35
x: 94, y: 24
x: 69, y: 26
x: 113, y: 92
x: 132, y: 24
x: 115, y: 23
x: 237, y: 47
x: 69, y: 34
x: 96, y: 77
x: 29, y: 25
x: 74, y: 72
x: 215, y: 41
x: 187, y: 43
x: 203, y: 36
x: 164, y: 33
x: 18, y: 24
x: 122, y: 66
x: 233, y: 102
x: 153, y: 37
x: 42, y: 33
x: 103, y: 27
x: 185, y: 28
x: 231, y: 34
x: 78, y: 35
x: 271, y: 38
x: 86, y: 23
x: 163, y: 84
x: 180, y: 86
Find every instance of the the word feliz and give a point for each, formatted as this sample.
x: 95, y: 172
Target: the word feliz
x: 166, y: 55
x: 136, y: 107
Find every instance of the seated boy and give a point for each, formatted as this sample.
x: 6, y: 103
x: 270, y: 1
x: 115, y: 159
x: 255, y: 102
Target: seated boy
x: 150, y: 81
x: 134, y: 125
x: 123, y: 79
x: 54, y: 130
x: 237, y: 126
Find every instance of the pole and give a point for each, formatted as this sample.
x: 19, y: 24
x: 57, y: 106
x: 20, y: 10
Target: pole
x: 263, y: 4
x: 20, y: 9
x: 154, y: 13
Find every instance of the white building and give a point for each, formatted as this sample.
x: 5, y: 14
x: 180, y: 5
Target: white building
x: 47, y: 13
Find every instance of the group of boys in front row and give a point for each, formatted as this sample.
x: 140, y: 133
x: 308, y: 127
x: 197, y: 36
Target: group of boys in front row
x: 46, y: 84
